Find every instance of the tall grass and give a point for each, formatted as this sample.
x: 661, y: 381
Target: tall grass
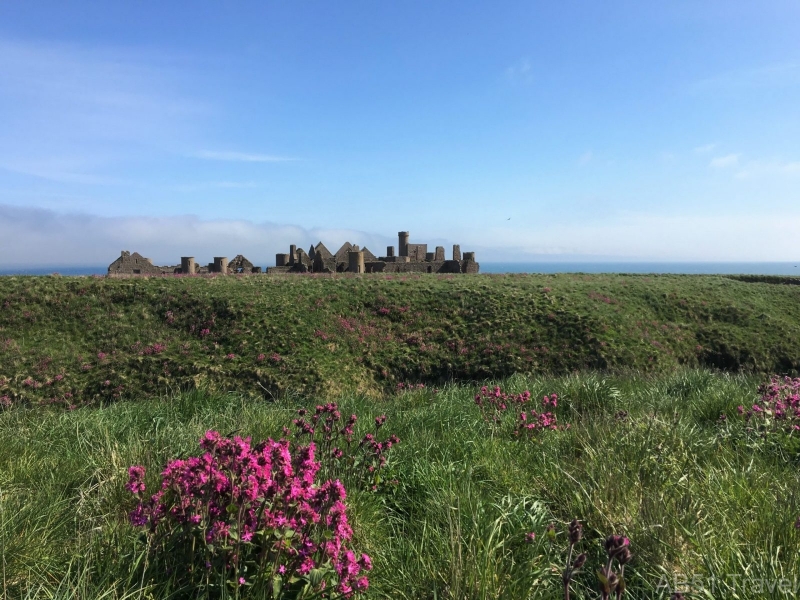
x: 644, y: 457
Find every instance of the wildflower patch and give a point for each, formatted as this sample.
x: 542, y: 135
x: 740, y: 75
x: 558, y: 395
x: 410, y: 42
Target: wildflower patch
x: 249, y: 515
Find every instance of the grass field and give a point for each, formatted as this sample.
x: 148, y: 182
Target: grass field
x: 97, y: 375
x: 698, y: 497
x: 74, y: 341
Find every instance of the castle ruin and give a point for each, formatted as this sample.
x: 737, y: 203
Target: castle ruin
x: 133, y: 263
x: 410, y: 258
x: 350, y: 258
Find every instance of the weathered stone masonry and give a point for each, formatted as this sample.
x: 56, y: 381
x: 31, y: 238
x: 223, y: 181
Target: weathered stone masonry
x: 350, y: 258
x: 410, y: 258
x: 129, y: 264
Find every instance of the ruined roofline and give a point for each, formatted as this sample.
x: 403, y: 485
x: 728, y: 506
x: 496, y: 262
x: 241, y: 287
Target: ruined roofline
x: 133, y: 264
x: 323, y: 261
x: 410, y: 257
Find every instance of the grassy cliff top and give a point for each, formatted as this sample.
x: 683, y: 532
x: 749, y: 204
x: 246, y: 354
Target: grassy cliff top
x: 76, y: 340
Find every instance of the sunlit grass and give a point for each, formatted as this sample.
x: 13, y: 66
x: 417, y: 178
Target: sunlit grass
x: 695, y: 496
x: 74, y: 341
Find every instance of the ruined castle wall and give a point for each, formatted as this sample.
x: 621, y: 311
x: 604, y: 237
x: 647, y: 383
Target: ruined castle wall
x: 324, y: 264
x: 417, y: 251
x: 368, y: 256
x: 322, y: 250
x: 356, y: 262
x: 220, y: 265
x: 303, y: 258
x: 241, y: 265
x: 134, y: 264
x: 377, y: 266
x: 341, y: 253
x: 450, y: 266
x: 436, y: 266
x: 402, y: 243
x: 188, y: 266
x: 469, y: 266
x: 413, y: 267
x: 278, y: 270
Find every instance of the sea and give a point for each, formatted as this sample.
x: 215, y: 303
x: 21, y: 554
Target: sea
x: 687, y: 268
x: 677, y: 268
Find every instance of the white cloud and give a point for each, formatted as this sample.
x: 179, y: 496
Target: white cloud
x: 648, y: 237
x: 723, y: 162
x: 240, y: 156
x: 39, y: 237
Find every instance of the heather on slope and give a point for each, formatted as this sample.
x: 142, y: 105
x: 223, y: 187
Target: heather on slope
x: 76, y: 340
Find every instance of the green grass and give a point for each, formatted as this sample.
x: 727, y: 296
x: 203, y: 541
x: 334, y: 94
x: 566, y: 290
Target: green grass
x: 327, y: 335
x: 697, y: 497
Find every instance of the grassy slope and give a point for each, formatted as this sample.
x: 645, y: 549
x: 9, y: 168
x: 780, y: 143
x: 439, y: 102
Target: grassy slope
x: 325, y: 335
x: 695, y: 496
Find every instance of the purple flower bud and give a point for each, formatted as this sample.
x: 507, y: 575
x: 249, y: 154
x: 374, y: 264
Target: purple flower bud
x: 575, y: 532
x: 617, y: 547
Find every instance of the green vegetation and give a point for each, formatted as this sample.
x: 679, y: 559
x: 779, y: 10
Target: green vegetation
x: 76, y: 340
x: 636, y: 444
x: 644, y: 457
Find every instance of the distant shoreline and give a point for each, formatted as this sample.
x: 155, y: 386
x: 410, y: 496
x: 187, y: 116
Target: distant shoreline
x: 677, y: 268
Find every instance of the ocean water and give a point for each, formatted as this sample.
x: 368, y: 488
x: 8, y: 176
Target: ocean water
x: 687, y: 268
x: 61, y: 270
x: 683, y: 268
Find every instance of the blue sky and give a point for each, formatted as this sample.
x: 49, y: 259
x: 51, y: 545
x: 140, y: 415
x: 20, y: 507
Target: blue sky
x: 625, y: 130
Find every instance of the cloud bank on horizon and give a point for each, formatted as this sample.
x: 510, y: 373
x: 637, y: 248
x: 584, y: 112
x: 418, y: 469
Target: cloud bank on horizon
x: 34, y: 237
x: 627, y: 131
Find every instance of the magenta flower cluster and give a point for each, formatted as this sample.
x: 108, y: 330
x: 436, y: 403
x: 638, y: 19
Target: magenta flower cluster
x: 340, y: 455
x: 778, y: 408
x: 495, y: 404
x: 532, y: 422
x: 251, y: 514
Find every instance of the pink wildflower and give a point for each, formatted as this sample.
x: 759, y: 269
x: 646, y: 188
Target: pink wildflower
x: 135, y: 483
